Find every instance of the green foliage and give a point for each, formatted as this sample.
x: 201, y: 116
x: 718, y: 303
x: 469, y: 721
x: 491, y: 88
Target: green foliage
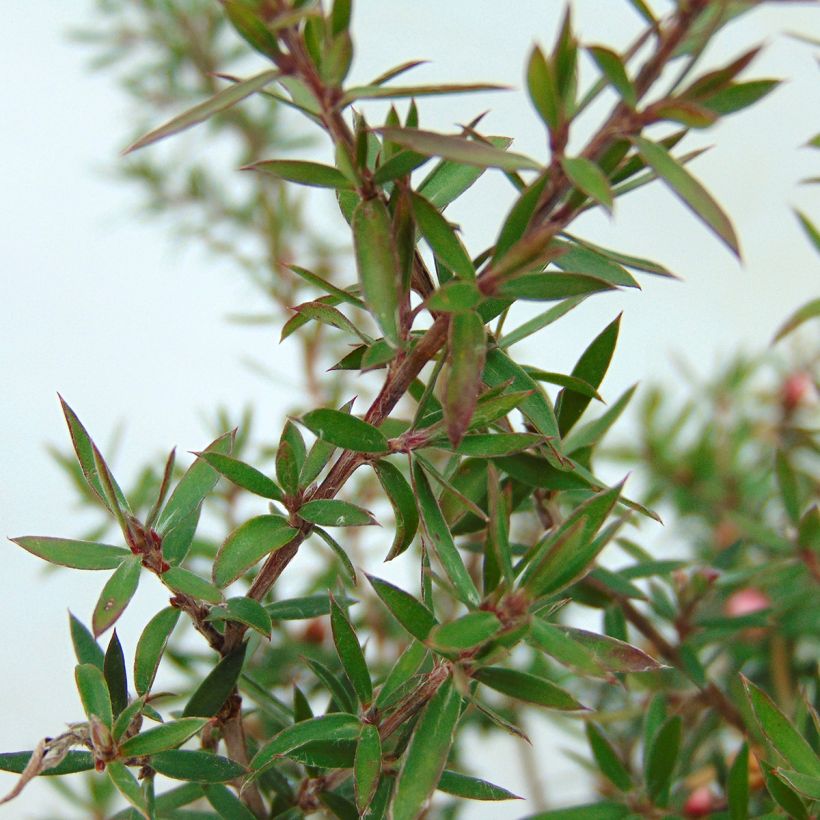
x: 490, y: 473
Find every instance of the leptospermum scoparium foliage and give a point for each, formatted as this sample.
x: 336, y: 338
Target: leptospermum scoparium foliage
x: 491, y: 482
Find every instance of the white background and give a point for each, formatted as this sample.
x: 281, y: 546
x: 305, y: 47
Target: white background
x: 129, y: 327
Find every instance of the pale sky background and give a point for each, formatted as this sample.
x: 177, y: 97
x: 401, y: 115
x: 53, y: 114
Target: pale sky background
x: 129, y: 326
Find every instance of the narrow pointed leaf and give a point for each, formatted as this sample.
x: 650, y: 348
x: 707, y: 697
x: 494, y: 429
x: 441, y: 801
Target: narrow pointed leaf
x: 458, y: 149
x: 76, y: 554
x: 339, y: 552
x: 94, y: 693
x: 552, y: 287
x: 227, y: 805
x: 441, y: 540
x: 73, y: 762
x: 378, y: 265
x: 803, y: 784
x: 201, y: 767
x: 613, y: 69
x: 588, y: 178
x: 247, y: 544
x: 115, y: 675
x: 614, y: 655
x: 345, y: 431
x: 538, y: 322
x: 442, y: 238
x: 472, y: 788
x: 188, y: 583
x: 811, y: 310
x: 163, y: 737
x: 465, y: 363
x: 245, y: 611
x: 217, y: 685
x: 379, y: 92
x: 304, y: 173
x: 607, y: 759
x: 401, y: 498
x: 309, y: 606
x: 543, y: 89
x: 151, y: 646
x: 662, y: 756
x: 331, y: 512
x: 128, y: 786
x: 243, y: 475
x: 693, y: 194
x: 86, y: 649
x: 402, y: 670
x: 468, y: 631
x: 115, y: 595
x: 411, y: 613
x: 737, y: 788
x: 367, y: 767
x: 350, y: 653
x: 221, y: 101
x: 493, y: 445
x: 427, y: 754
x: 526, y: 687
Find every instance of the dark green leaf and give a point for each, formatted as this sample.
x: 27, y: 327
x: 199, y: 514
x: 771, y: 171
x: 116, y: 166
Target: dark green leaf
x: 181, y: 580
x: 407, y: 610
x: 466, y: 632
x: 403, y: 502
x: 442, y: 238
x: 216, y: 687
x: 340, y: 553
x: 243, y: 475
x: 115, y: 595
x: 367, y: 767
x: 221, y: 101
x: 427, y: 753
x: 115, y: 675
x: 203, y: 767
x: 338, y: 685
x: 75, y: 554
x: 310, y: 606
x: 607, y: 758
x: 693, y: 194
x: 128, y: 786
x: 245, y: 611
x: 572, y: 383
x: 607, y: 810
x: 86, y: 649
x: 471, y: 788
x: 247, y: 544
x: 803, y: 784
x: 441, y: 540
x: 543, y: 89
x: 398, y: 165
x: 227, y: 804
x: 558, y: 645
x: 552, y: 287
x: 94, y: 693
x: 303, y: 173
x: 612, y: 67
x: 541, y: 321
x: 783, y: 794
x: 588, y: 178
x: 73, y: 762
x: 493, y: 445
x: 458, y: 149
x: 526, y: 687
x: 345, y: 431
x: 594, y: 431
x: 163, y: 737
x: 737, y: 787
x: 330, y: 512
x: 661, y: 758
x: 378, y: 264
x: 402, y: 670
x: 737, y: 96
x: 350, y: 653
x: 465, y: 363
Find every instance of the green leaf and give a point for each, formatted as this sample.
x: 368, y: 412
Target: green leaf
x: 737, y: 96
x: 401, y: 498
x: 76, y: 554
x: 466, y: 351
x: 345, y: 431
x: 187, y: 583
x: 127, y: 716
x: 576, y: 257
x: 788, y: 485
x: 552, y: 640
x: 309, y: 606
x: 163, y: 737
x: 804, y: 784
x: 186, y: 500
x: 526, y: 687
x: 427, y: 753
x: 810, y: 230
x: 86, y: 649
x: 407, y: 610
x: 591, y: 368
x: 499, y: 368
x: 406, y: 665
x: 781, y: 733
x: 572, y: 383
x: 338, y: 685
x: 612, y: 654
x: 456, y: 296
x: 313, y: 174
x: 398, y: 165
x: 94, y: 693
x: 377, y: 262
x: 661, y: 758
x: 551, y: 286
x: 245, y: 611
x: 539, y: 322
x: 783, y: 794
x: 243, y: 475
x: 128, y: 786
x: 227, y: 804
x: 16, y: 762
x: 441, y: 541
x: 247, y: 544
x: 811, y: 310
x: 493, y: 445
x: 607, y: 758
x: 442, y: 239
x: 216, y: 687
x: 588, y: 178
x: 317, y: 281
x: 202, y: 767
x: 543, y: 89
x: 331, y: 728
x: 594, y: 431
x: 330, y: 512
x: 737, y: 787
x: 465, y: 632
x: 693, y: 194
x: 115, y: 675
x: 221, y: 101
x: 344, y: 558
x: 115, y: 595
x: 472, y: 788
x: 350, y: 653
x: 378, y: 92
x: 567, y: 555
x: 606, y: 810
x: 612, y: 67
x: 458, y: 149
x: 367, y: 766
